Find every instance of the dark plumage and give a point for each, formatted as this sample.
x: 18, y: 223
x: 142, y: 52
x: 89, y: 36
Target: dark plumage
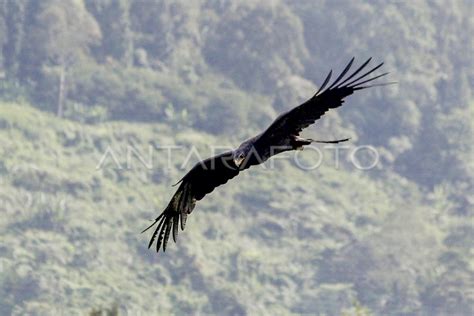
x: 282, y: 135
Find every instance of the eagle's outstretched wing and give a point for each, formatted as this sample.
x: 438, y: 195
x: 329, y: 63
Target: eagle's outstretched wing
x: 202, y: 179
x: 300, y: 117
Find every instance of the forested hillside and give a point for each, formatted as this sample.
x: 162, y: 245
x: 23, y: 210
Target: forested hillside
x: 83, y: 78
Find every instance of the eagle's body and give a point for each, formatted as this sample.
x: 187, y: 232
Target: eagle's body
x: 282, y: 135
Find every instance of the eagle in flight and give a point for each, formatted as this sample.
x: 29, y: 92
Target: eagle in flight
x: 282, y: 135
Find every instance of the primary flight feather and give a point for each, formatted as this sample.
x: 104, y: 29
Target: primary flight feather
x: 282, y: 135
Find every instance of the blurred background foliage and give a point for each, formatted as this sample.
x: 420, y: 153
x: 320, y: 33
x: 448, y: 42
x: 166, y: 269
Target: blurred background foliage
x: 78, y: 77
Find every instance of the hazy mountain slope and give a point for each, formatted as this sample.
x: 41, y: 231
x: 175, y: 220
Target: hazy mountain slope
x: 71, y: 236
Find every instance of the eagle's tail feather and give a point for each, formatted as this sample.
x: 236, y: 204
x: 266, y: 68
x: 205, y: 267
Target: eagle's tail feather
x: 329, y: 141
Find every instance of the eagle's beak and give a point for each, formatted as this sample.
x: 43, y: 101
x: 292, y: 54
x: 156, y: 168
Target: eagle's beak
x: 238, y: 160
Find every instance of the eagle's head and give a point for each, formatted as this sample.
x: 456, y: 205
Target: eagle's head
x: 241, y: 153
x: 239, y: 156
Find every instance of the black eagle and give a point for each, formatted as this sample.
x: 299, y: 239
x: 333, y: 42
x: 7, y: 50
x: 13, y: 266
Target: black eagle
x: 282, y: 135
